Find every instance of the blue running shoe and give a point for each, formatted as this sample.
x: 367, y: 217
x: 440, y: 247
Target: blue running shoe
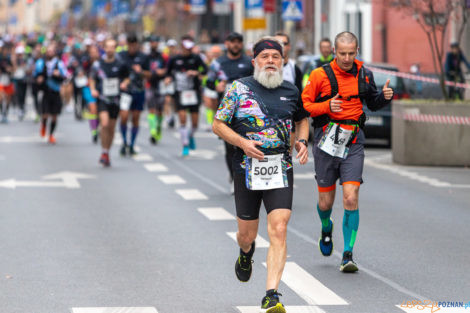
x: 192, y: 143
x: 347, y: 264
x: 185, y: 151
x: 325, y: 243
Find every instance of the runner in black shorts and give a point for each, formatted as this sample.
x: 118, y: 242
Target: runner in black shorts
x: 108, y: 77
x: 184, y: 70
x: 222, y: 72
x: 154, y: 95
x: 139, y: 69
x: 256, y: 115
x: 50, y: 73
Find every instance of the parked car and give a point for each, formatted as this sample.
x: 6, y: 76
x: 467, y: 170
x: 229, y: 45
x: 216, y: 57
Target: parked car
x: 378, y: 127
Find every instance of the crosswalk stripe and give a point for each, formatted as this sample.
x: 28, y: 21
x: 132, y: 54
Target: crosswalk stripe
x: 156, y: 167
x: 308, y: 287
x: 171, y: 179
x: 115, y: 310
x: 191, y: 194
x: 290, y: 309
x: 216, y: 214
x: 144, y: 157
x: 260, y: 241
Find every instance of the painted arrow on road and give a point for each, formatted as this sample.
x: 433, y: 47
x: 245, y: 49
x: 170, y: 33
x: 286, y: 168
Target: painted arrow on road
x: 66, y: 180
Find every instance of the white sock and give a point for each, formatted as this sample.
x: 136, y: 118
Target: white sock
x: 184, y: 135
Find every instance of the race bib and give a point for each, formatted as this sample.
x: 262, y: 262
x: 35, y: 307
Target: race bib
x: 266, y: 174
x: 170, y: 88
x: 110, y: 87
x: 4, y: 80
x: 183, y: 81
x: 125, y: 101
x: 327, y: 142
x: 188, y: 97
x: 209, y: 93
x: 20, y: 73
x: 81, y: 81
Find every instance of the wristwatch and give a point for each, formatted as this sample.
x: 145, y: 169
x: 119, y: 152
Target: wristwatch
x: 305, y: 142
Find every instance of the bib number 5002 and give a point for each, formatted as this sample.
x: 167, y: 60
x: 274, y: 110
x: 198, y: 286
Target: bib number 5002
x: 272, y: 170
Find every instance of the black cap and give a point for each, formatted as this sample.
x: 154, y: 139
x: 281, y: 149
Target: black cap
x: 234, y: 36
x: 154, y: 38
x: 132, y: 38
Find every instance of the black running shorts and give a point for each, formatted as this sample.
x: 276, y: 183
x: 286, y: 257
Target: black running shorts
x: 248, y: 202
x: 51, y: 102
x: 111, y: 108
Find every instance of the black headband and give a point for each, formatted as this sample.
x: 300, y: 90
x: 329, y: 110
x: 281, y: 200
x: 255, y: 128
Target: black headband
x: 266, y: 44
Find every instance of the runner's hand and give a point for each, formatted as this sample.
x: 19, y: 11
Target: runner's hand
x: 388, y: 92
x: 335, y: 104
x: 302, y: 152
x: 124, y: 85
x: 95, y: 93
x: 221, y: 86
x: 249, y: 147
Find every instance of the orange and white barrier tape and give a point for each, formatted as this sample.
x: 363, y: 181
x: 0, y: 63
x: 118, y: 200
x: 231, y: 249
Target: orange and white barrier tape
x: 438, y: 119
x: 418, y: 77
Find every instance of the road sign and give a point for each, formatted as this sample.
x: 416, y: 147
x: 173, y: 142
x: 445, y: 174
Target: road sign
x: 254, y: 8
x: 292, y: 10
x: 198, y: 6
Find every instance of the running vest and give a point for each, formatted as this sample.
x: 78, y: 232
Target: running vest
x: 322, y: 120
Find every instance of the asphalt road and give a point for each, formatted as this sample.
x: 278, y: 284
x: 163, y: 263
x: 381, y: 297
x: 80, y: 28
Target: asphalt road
x: 153, y: 233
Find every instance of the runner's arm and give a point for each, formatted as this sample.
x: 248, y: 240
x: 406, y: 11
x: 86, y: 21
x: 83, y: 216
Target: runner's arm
x: 375, y: 99
x: 311, y: 91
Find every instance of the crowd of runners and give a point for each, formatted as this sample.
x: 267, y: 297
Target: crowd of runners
x: 257, y: 100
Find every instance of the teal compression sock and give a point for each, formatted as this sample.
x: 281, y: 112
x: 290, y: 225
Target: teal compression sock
x: 350, y: 227
x: 325, y: 219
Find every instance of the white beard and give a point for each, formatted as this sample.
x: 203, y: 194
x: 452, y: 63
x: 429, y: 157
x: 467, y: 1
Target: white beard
x: 269, y: 80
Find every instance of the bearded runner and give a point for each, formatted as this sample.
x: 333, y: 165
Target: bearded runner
x: 256, y: 115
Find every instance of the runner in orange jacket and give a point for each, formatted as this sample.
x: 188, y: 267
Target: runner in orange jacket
x: 334, y: 97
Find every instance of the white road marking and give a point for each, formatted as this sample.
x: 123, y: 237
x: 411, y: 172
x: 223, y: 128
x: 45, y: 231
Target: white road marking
x: 203, y: 154
x: 20, y: 139
x: 411, y: 175
x: 191, y: 194
x: 260, y: 241
x: 116, y: 310
x: 143, y: 157
x: 307, y: 176
x: 308, y: 287
x: 216, y: 214
x: 171, y: 179
x: 429, y: 307
x: 67, y: 180
x: 156, y: 167
x: 290, y: 309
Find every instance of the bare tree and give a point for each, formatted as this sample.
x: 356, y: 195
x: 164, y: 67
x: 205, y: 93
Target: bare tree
x: 434, y: 16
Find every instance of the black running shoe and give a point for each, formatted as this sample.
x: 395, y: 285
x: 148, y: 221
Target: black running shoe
x: 132, y: 152
x: 153, y: 141
x: 347, y: 264
x: 325, y: 243
x: 271, y: 303
x: 123, y: 150
x: 243, y: 266
x: 95, y: 138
